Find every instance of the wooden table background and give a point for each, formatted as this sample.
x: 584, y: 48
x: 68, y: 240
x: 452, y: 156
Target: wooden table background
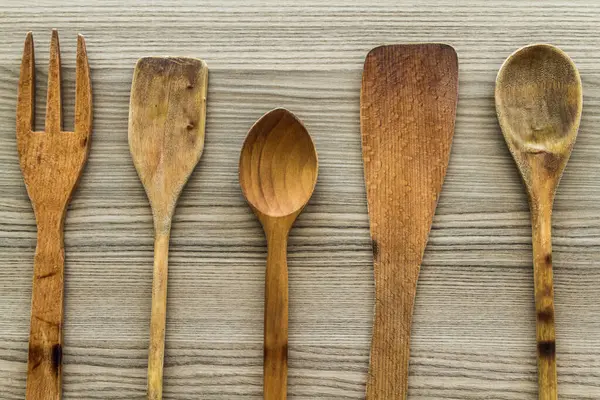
x: 474, y: 326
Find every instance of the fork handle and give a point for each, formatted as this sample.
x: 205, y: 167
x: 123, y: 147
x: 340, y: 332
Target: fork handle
x: 158, y: 318
x: 44, y: 366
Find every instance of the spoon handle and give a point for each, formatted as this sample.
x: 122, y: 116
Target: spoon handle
x: 541, y: 220
x: 158, y: 319
x: 276, y: 313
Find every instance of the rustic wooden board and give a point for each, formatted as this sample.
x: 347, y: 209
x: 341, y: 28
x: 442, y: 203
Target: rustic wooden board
x: 476, y: 280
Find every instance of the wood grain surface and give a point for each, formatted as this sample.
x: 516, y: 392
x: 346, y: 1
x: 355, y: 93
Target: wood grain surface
x: 476, y: 281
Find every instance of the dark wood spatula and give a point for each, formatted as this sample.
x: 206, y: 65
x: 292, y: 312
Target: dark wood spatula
x: 407, y: 111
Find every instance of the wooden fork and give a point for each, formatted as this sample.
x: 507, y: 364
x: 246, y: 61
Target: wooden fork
x: 51, y: 163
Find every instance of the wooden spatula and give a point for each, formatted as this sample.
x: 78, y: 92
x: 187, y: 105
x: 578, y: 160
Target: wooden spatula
x: 408, y: 106
x: 166, y: 137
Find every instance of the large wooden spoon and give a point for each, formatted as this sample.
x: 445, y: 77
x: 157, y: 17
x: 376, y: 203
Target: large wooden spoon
x: 166, y: 137
x: 278, y: 172
x: 538, y: 102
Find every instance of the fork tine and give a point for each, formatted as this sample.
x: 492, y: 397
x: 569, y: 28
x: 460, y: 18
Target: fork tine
x: 53, y: 102
x: 26, y: 91
x: 83, y: 88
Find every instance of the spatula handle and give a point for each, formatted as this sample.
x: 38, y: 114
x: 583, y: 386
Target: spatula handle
x: 276, y: 315
x: 44, y: 366
x: 541, y: 217
x: 158, y: 319
x: 395, y: 290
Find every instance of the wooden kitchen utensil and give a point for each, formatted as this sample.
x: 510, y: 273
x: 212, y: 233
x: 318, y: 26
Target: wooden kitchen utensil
x: 166, y: 136
x: 278, y: 172
x: 408, y: 106
x: 51, y: 162
x: 539, y: 101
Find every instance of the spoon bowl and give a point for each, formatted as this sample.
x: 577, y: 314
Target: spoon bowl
x: 278, y: 165
x: 539, y: 102
x: 278, y: 173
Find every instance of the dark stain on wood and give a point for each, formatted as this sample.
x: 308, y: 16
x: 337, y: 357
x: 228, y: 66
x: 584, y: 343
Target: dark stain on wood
x: 546, y: 315
x: 547, y: 348
x: 56, y: 357
x: 281, y: 352
x: 35, y: 357
x: 375, y: 249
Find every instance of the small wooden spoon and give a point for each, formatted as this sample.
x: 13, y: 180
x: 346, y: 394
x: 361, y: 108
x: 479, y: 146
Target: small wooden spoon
x: 538, y: 102
x: 278, y: 172
x: 166, y: 137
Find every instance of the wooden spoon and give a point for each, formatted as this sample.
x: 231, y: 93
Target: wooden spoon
x: 407, y: 111
x: 538, y: 102
x: 278, y: 172
x: 166, y: 137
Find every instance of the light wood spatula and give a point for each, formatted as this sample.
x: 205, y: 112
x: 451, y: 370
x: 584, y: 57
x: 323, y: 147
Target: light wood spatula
x: 166, y: 136
x: 408, y: 107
